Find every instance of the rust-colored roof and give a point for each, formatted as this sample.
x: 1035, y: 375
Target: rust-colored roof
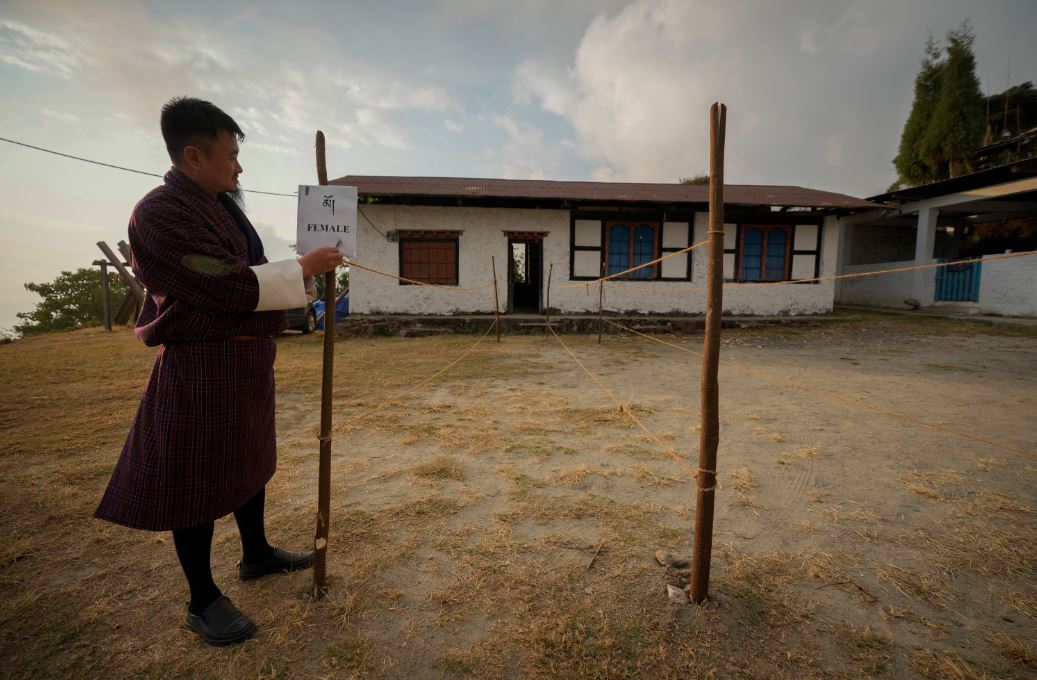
x: 610, y: 192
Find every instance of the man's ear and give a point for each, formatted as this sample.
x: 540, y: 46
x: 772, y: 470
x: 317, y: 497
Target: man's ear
x: 192, y: 156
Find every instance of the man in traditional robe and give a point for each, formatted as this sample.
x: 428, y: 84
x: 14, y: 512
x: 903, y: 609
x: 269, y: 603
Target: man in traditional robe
x: 203, y: 443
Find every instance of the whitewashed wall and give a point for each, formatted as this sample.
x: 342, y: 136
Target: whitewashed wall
x: 884, y: 290
x: 483, y: 236
x: 1009, y: 287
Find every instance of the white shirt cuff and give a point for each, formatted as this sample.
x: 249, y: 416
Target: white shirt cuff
x: 280, y: 285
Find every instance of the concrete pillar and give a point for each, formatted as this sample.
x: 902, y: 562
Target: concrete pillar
x: 923, y: 286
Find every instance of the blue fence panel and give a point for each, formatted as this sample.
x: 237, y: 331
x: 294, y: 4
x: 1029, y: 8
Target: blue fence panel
x: 958, y: 283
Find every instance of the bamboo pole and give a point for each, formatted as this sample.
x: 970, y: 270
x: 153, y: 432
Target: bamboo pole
x: 320, y: 541
x: 106, y: 302
x: 601, y: 302
x: 547, y: 307
x: 709, y: 435
x: 496, y: 298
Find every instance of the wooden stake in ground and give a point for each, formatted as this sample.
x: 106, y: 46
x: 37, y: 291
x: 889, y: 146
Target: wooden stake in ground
x: 106, y: 304
x: 320, y: 541
x: 547, y: 307
x: 709, y: 435
x: 601, y: 302
x: 496, y: 299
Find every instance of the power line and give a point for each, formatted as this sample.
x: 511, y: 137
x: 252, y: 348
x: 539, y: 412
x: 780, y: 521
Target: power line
x: 119, y: 167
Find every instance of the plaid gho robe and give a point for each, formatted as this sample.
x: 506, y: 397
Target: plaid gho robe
x: 203, y: 440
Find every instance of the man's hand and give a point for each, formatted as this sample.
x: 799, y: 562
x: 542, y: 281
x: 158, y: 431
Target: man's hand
x: 320, y: 260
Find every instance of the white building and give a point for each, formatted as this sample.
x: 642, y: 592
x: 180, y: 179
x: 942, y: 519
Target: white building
x: 446, y: 230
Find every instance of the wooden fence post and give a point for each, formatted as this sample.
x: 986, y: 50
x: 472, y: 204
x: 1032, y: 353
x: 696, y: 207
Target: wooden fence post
x: 320, y: 541
x: 496, y: 298
x: 547, y: 307
x: 601, y: 302
x: 709, y: 435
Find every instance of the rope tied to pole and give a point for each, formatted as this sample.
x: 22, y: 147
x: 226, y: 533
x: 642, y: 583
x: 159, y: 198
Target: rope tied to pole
x: 632, y: 269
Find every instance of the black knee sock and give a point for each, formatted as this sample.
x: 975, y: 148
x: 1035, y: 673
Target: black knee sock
x: 194, y: 549
x: 250, y: 524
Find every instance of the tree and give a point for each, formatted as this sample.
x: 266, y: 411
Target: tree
x: 697, y: 179
x: 342, y: 283
x: 956, y: 129
x: 912, y: 167
x: 72, y: 300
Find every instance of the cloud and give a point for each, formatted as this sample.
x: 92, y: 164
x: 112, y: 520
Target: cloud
x: 638, y: 87
x: 453, y: 125
x: 38, y: 51
x: 60, y: 115
x: 524, y: 154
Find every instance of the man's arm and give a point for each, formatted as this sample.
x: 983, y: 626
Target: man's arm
x: 189, y: 263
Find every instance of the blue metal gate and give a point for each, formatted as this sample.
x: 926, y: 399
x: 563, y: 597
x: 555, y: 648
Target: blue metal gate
x: 958, y: 282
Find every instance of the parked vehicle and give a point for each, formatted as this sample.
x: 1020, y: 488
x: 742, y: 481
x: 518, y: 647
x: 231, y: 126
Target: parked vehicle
x: 302, y: 318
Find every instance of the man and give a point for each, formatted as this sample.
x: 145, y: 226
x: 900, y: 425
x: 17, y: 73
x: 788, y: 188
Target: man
x: 202, y: 445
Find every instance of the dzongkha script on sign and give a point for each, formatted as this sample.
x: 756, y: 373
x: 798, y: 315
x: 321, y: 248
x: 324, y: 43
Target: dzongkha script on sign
x: 327, y: 217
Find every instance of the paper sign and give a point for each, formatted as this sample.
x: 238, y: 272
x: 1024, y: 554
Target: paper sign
x: 327, y: 217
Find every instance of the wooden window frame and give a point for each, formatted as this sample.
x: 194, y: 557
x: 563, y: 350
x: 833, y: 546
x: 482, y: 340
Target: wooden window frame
x: 766, y: 229
x: 431, y: 237
x: 632, y: 225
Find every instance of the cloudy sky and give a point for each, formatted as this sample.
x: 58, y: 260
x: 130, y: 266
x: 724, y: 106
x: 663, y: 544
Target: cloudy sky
x: 817, y: 92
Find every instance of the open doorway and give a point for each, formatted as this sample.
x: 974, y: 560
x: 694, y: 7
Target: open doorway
x: 525, y: 276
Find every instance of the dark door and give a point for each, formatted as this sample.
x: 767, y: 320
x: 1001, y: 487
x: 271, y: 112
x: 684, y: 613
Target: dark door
x: 525, y: 276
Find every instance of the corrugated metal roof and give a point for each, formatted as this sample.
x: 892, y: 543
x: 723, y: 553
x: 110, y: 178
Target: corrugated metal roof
x: 604, y: 192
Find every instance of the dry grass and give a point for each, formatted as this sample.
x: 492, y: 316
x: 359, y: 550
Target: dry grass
x: 1016, y: 648
x: 462, y: 549
x: 742, y: 481
x: 440, y: 469
x: 931, y: 483
x: 934, y: 588
x: 801, y: 454
x: 944, y: 665
x: 988, y: 464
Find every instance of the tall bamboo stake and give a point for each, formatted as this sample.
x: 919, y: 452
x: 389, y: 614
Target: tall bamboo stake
x: 496, y: 299
x: 106, y: 305
x: 709, y: 435
x: 601, y: 302
x: 547, y: 308
x: 320, y: 541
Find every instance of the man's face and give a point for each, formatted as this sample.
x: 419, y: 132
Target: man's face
x: 216, y: 169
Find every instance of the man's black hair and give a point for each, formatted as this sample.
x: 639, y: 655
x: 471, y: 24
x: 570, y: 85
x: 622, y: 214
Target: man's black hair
x: 187, y: 121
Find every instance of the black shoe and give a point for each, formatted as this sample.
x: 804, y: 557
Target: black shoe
x: 278, y: 562
x: 221, y: 623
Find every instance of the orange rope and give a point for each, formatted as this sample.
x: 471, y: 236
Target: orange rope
x: 420, y: 383
x: 627, y: 410
x: 773, y: 377
x: 836, y: 277
x: 627, y: 271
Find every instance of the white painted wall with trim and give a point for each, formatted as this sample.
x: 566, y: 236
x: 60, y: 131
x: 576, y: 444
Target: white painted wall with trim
x: 1009, y: 287
x: 483, y: 236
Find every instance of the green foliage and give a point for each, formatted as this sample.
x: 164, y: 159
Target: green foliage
x: 342, y: 283
x: 1012, y: 111
x: 911, y: 166
x: 697, y: 179
x: 945, y: 126
x: 72, y: 300
x: 956, y: 129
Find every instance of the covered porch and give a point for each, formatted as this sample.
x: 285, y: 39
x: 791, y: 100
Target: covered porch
x: 980, y: 216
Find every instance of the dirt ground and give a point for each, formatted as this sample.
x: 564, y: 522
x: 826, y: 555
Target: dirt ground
x: 501, y: 521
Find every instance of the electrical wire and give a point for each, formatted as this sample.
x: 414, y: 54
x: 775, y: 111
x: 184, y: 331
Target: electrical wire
x: 120, y: 167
